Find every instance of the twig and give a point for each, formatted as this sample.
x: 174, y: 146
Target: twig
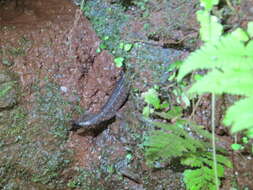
x: 196, y: 106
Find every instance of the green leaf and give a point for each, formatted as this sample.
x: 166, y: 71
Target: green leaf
x: 129, y: 156
x: 172, y: 77
x: 236, y: 147
x: 175, y: 65
x: 164, y: 105
x: 245, y: 140
x: 240, y: 115
x: 210, y: 29
x: 250, y: 29
x: 128, y: 47
x: 198, y: 77
x: 208, y: 4
x: 185, y: 99
x: 119, y: 61
x: 105, y: 38
x: 102, y: 46
x: 5, y: 88
x: 163, y: 146
x: 250, y: 134
x: 171, y: 141
x: 146, y: 26
x: 151, y: 97
x: 7, y: 62
x: 98, y: 50
x: 212, y: 56
x: 121, y: 45
x: 175, y: 112
x: 223, y: 160
x: 230, y: 63
x: 240, y: 34
x: 156, y: 87
x: 199, y: 179
x: 147, y: 111
x: 216, y: 82
x: 192, y: 160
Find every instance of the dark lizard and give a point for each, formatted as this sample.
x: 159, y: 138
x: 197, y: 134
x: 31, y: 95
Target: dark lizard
x: 109, y: 110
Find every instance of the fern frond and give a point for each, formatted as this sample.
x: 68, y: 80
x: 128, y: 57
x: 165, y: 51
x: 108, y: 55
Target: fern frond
x: 222, y: 160
x: 179, y: 127
x: 237, y: 82
x: 177, y: 140
x: 161, y: 146
x: 202, y: 178
x: 176, y: 112
x: 203, y: 175
x: 192, y: 160
x: 235, y: 117
x: 172, y: 141
x: 201, y: 159
x: 228, y: 53
x: 209, y: 162
x: 208, y: 5
x: 176, y: 128
x: 211, y: 29
x: 230, y: 65
x: 200, y: 131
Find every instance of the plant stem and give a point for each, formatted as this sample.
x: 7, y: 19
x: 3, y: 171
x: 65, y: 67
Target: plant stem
x: 213, y: 143
x: 82, y: 5
x: 230, y: 5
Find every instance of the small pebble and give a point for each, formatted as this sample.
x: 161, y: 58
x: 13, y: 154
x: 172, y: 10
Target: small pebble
x: 64, y: 89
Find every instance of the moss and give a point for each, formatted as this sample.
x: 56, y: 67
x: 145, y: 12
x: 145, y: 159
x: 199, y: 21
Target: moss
x: 9, y: 89
x: 16, y: 51
x: 83, y: 180
x: 15, y: 170
x: 51, y: 166
x: 108, y: 21
x: 19, y: 50
x: 18, y: 124
x: 34, y: 140
x: 92, y: 180
x: 5, y: 88
x: 50, y: 107
x: 12, y: 121
x: 111, y: 23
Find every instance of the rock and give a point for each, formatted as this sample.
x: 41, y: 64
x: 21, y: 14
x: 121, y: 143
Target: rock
x: 126, y: 172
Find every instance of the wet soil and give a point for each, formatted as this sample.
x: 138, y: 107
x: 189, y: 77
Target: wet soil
x: 50, y: 42
x: 51, y: 47
x: 53, y: 73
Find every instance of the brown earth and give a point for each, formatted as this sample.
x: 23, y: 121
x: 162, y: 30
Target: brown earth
x: 44, y: 40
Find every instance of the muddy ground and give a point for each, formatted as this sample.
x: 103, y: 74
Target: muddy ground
x: 53, y: 70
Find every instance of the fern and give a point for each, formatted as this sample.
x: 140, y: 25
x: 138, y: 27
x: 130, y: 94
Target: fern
x: 183, y: 139
x: 227, y: 54
x: 172, y: 141
x: 240, y: 121
x: 201, y: 178
x: 202, y: 159
x: 229, y: 59
x: 188, y: 142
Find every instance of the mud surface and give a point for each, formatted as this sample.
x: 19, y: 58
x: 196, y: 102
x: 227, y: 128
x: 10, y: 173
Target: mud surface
x: 51, y: 47
x: 53, y: 69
